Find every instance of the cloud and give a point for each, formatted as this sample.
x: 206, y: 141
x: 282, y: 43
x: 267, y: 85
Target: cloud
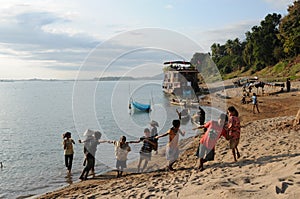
x: 169, y: 6
x: 26, y: 36
x: 129, y: 50
x: 280, y: 4
x: 222, y: 34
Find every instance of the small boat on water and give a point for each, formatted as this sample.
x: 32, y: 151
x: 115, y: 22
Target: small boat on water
x: 139, y: 106
x: 184, y: 102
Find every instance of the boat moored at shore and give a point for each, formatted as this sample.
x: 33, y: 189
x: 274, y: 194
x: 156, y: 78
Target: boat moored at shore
x: 180, y: 79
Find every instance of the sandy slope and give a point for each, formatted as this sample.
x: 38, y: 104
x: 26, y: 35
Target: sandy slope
x: 269, y: 166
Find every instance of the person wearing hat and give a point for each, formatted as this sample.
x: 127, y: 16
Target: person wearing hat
x: 153, y: 133
x: 90, y: 148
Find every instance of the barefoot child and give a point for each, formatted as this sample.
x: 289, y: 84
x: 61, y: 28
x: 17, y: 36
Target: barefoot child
x: 153, y: 133
x: 121, y: 151
x: 172, y: 151
x: 145, y: 152
x: 255, y: 103
x: 208, y: 141
x: 68, y: 150
x: 90, y: 148
x: 234, y: 129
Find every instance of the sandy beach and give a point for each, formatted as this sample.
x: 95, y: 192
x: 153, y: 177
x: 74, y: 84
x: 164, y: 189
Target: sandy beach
x: 269, y: 166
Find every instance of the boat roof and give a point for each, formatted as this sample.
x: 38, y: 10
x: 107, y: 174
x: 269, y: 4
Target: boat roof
x: 177, y: 62
x: 181, y: 66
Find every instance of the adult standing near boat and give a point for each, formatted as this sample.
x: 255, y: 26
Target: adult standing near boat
x: 68, y: 151
x: 201, y: 120
x: 201, y: 114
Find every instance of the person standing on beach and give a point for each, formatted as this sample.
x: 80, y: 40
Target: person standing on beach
x: 122, y: 149
x: 145, y: 152
x: 288, y: 85
x: 153, y: 133
x: 255, y: 103
x: 90, y: 148
x: 201, y: 114
x: 89, y: 136
x: 233, y: 131
x: 68, y: 151
x: 172, y: 151
x: 215, y: 129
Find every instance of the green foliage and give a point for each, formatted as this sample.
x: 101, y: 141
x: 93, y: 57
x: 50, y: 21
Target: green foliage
x: 274, y: 40
x: 228, y: 57
x: 289, y: 29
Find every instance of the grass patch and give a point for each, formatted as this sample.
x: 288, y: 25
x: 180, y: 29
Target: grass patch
x: 279, y: 68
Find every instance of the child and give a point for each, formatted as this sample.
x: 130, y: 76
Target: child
x: 145, y: 152
x: 90, y: 148
x: 153, y: 133
x: 234, y: 129
x: 172, y: 151
x: 121, y: 151
x: 68, y: 150
x: 208, y: 141
x: 89, y: 134
x: 255, y: 103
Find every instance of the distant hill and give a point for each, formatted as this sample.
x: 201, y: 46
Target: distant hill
x: 129, y: 78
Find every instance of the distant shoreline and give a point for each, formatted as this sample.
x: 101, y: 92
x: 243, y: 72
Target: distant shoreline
x: 95, y: 79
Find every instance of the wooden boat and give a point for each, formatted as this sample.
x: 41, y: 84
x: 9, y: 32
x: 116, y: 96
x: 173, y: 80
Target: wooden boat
x: 180, y: 79
x: 177, y: 102
x: 139, y: 106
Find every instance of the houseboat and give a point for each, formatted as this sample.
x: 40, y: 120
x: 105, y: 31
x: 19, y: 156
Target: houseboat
x: 180, y: 79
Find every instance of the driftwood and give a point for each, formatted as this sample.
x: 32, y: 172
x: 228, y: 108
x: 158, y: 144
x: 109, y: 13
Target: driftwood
x: 297, y: 119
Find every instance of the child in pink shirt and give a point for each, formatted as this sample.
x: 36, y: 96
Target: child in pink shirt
x: 208, y: 141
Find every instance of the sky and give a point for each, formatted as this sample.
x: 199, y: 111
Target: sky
x: 71, y: 39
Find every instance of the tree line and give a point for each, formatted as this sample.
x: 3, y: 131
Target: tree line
x: 274, y: 40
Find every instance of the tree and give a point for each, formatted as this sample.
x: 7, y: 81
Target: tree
x: 261, y: 42
x: 289, y: 29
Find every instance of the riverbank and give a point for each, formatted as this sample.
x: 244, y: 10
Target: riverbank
x: 269, y: 166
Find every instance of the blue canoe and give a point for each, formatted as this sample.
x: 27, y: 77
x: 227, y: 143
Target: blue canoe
x: 141, y: 107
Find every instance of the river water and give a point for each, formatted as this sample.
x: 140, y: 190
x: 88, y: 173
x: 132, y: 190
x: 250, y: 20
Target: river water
x: 35, y: 114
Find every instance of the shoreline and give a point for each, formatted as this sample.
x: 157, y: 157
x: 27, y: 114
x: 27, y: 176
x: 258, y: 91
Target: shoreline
x: 269, y: 166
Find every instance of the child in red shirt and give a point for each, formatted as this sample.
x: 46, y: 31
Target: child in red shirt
x: 215, y: 129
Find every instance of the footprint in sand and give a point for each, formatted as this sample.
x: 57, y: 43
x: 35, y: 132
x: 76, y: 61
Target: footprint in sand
x: 150, y: 196
x: 283, y: 188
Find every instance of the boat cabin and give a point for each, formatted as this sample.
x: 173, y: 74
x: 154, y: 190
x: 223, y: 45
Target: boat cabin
x: 180, y: 79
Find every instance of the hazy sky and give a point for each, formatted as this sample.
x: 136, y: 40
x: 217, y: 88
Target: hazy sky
x: 75, y: 38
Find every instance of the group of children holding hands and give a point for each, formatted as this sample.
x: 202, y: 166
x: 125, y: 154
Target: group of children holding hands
x: 227, y: 126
